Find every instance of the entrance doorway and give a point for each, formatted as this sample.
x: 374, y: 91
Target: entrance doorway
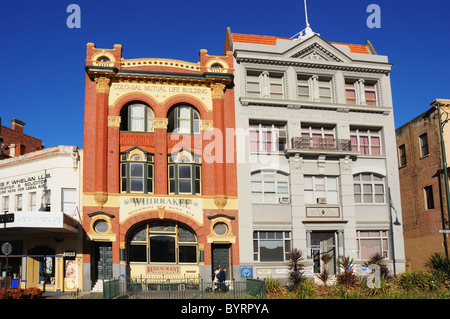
x: 323, y: 243
x: 221, y: 257
x: 103, y: 261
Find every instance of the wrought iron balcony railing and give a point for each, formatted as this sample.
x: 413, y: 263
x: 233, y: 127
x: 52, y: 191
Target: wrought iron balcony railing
x: 327, y: 144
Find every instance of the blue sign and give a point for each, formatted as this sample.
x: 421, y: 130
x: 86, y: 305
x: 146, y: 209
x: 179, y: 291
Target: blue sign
x: 246, y: 272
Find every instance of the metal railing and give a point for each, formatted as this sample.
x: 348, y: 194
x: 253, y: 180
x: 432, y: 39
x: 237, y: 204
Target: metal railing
x: 151, y: 288
x: 308, y: 143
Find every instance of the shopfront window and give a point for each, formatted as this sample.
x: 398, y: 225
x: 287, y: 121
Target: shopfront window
x: 162, y: 242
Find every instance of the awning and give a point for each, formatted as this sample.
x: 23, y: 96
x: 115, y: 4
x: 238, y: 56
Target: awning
x: 29, y: 222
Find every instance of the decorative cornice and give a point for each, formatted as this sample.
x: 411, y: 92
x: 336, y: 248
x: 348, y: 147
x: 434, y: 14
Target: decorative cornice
x: 160, y: 123
x: 313, y: 48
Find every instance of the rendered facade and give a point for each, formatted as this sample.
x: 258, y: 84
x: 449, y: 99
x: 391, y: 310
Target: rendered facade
x: 316, y: 159
x: 40, y: 219
x: 160, y: 196
x: 422, y: 184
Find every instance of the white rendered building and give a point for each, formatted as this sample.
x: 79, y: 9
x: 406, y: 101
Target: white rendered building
x: 316, y: 152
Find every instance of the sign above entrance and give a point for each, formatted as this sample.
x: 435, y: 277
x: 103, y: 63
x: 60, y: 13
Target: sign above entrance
x: 190, y: 207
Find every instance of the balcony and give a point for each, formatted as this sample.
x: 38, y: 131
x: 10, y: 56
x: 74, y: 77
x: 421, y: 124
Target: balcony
x: 321, y: 146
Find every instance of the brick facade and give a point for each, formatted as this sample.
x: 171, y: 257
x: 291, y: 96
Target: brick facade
x: 113, y: 84
x: 18, y: 143
x: 422, y: 220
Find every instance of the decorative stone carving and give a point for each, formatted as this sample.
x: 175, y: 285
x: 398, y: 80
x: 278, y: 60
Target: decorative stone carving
x: 160, y: 123
x: 207, y: 125
x: 217, y: 90
x: 101, y: 199
x: 329, y: 212
x: 114, y: 121
x: 103, y: 84
x: 220, y: 201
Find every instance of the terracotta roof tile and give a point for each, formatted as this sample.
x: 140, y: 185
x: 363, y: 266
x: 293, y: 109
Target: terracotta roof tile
x: 271, y: 40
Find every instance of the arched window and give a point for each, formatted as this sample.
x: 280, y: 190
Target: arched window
x: 184, y: 119
x: 137, y: 117
x: 369, y: 188
x: 136, y: 171
x: 184, y: 173
x: 269, y: 186
x: 162, y: 242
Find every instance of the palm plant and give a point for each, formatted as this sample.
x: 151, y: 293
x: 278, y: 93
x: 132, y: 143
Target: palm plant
x: 325, y: 274
x: 296, y: 277
x: 347, y: 279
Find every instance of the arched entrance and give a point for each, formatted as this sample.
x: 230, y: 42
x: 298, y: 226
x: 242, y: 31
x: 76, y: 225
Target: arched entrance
x: 163, y: 248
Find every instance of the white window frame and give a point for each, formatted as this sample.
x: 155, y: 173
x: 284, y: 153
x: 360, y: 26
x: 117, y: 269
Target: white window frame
x: 382, y: 236
x: 370, y: 134
x: 331, y: 195
x: 364, y: 192
x: 262, y: 142
x: 283, y: 235
x: 278, y: 179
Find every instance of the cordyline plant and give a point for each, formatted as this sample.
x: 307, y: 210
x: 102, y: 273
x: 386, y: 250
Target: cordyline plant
x: 296, y: 277
x: 377, y: 259
x: 347, y: 279
x: 324, y: 275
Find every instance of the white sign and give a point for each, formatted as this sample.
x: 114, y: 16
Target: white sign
x: 444, y: 231
x: 191, y: 207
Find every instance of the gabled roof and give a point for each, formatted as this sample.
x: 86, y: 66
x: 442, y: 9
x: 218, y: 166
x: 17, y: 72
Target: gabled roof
x: 271, y: 40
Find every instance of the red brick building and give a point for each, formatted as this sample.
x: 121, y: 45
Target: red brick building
x: 422, y: 188
x: 159, y: 185
x: 17, y: 143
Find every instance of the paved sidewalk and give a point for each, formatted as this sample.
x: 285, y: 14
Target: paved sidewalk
x: 71, y: 295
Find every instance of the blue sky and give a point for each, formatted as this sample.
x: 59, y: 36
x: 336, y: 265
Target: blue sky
x: 43, y: 77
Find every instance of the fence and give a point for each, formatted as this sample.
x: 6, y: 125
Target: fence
x: 149, y: 288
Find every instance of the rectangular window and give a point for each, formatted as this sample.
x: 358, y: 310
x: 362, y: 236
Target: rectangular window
x: 69, y: 200
x: 303, y: 93
x: 350, y: 92
x: 271, y: 245
x: 371, y: 242
x: 253, y: 87
x: 366, y: 141
x: 47, y: 200
x: 423, y: 145
x: 267, y: 137
x: 321, y: 190
x: 5, y: 204
x: 318, y: 137
x: 402, y: 155
x: 370, y: 94
x: 276, y: 86
x: 325, y: 93
x: 19, y: 202
x: 429, y: 199
x: 32, y: 201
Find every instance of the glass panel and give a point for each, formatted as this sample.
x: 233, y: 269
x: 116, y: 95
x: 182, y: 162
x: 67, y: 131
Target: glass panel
x: 137, y: 117
x: 256, y: 186
x: 162, y: 249
x: 136, y: 185
x: 369, y: 247
x: 269, y: 198
x: 136, y: 170
x: 187, y: 254
x: 184, y: 186
x: 282, y: 188
x: 257, y: 197
x: 184, y: 171
x: 185, y: 235
x: 271, y: 250
x: 269, y: 186
x: 137, y: 253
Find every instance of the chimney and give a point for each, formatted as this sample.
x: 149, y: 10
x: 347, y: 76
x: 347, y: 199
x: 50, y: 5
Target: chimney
x: 17, y: 125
